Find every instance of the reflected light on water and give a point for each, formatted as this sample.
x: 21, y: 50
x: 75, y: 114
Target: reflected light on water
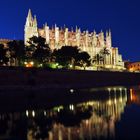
x: 27, y: 113
x: 33, y: 113
x: 115, y: 101
x: 114, y: 90
x: 92, y: 119
x: 45, y: 113
x: 71, y: 90
x: 109, y: 102
x: 71, y: 107
x: 103, y: 117
x: 131, y: 94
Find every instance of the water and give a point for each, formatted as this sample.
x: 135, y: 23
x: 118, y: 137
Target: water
x: 107, y: 113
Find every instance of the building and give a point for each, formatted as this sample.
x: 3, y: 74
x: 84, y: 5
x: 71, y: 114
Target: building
x: 92, y: 43
x: 4, y: 42
x: 133, y: 66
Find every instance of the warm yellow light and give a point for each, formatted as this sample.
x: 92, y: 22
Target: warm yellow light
x: 109, y: 102
x: 32, y: 63
x: 131, y: 94
x: 115, y: 101
x: 29, y: 65
x: 25, y: 63
x: 41, y: 65
x: 120, y: 99
x: 70, y: 66
x: 58, y: 109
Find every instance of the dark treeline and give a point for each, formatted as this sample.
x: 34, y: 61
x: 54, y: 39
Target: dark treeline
x: 38, y: 54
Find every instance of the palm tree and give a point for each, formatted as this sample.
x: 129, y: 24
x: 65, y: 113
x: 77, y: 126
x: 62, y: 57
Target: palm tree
x: 101, y: 56
x: 98, y: 58
x: 104, y: 52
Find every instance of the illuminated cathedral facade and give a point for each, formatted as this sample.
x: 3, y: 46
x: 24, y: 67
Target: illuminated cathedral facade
x: 92, y: 42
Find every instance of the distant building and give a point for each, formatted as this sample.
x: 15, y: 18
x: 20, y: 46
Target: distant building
x: 4, y: 41
x: 92, y: 43
x: 134, y: 66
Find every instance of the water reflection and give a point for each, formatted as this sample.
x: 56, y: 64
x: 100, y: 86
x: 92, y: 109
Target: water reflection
x: 94, y: 119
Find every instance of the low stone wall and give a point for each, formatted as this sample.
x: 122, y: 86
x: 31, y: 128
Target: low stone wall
x: 14, y: 77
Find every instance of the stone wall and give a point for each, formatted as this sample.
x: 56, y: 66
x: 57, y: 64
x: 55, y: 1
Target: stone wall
x: 14, y: 77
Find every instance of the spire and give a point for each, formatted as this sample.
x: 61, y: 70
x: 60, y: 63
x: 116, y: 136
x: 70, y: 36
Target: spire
x: 76, y: 29
x: 55, y: 25
x: 29, y: 20
x: 109, y: 32
x: 46, y: 25
x: 64, y: 26
x: 72, y: 29
x: 79, y: 30
x: 52, y: 27
x: 102, y: 34
x: 87, y: 32
x: 35, y: 21
x: 30, y: 15
x: 108, y: 39
x: 94, y: 33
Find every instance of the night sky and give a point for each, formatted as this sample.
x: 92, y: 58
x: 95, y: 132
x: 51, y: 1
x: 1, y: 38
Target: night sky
x: 121, y: 16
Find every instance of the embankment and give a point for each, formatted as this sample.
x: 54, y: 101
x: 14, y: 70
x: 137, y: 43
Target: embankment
x: 22, y: 88
x: 17, y: 77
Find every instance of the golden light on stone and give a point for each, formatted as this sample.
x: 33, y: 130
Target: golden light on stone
x: 93, y: 43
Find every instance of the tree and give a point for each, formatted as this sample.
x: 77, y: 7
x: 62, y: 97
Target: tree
x: 4, y: 59
x: 101, y: 56
x: 66, y: 55
x: 38, y: 50
x: 104, y: 52
x: 71, y: 56
x: 83, y: 59
x: 98, y: 58
x: 17, y: 50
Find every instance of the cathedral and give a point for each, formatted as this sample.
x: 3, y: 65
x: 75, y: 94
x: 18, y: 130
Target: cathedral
x: 92, y: 43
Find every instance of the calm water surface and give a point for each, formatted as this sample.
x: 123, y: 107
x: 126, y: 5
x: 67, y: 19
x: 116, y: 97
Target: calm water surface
x: 109, y: 113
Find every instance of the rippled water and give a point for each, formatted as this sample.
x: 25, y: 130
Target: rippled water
x: 108, y: 113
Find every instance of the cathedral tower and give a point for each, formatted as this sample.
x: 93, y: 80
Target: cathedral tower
x: 93, y: 42
x: 31, y: 28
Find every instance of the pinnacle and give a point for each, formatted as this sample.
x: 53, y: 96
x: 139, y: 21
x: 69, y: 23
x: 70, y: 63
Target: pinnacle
x: 30, y: 15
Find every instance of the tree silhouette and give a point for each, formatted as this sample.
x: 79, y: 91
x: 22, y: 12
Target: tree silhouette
x: 4, y: 59
x: 83, y: 59
x: 17, y: 50
x: 66, y: 56
x: 69, y: 55
x: 38, y: 50
x: 98, y: 58
x: 101, y: 56
x: 104, y: 52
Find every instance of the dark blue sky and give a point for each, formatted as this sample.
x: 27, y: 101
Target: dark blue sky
x: 121, y: 16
